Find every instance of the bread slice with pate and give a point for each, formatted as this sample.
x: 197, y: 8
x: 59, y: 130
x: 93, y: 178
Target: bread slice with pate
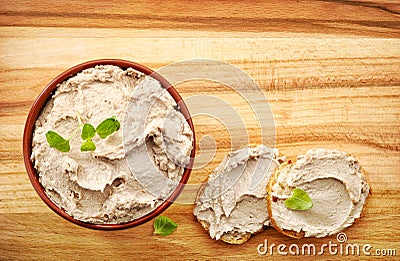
x: 336, y: 184
x: 231, y: 205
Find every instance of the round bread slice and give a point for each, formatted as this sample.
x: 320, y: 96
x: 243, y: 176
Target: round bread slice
x: 334, y: 181
x: 231, y: 204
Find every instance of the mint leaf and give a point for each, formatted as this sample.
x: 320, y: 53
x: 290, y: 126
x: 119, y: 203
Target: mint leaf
x: 164, y: 226
x: 105, y: 128
x: 56, y: 141
x: 108, y: 127
x: 88, y: 146
x: 88, y: 131
x: 299, y: 200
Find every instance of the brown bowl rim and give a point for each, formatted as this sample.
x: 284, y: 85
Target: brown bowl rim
x: 42, y: 100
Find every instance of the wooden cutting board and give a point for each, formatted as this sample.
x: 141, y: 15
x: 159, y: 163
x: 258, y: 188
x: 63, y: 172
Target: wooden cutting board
x: 329, y: 69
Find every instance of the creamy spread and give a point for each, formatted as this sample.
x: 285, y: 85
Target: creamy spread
x: 234, y: 199
x: 106, y: 185
x: 334, y: 182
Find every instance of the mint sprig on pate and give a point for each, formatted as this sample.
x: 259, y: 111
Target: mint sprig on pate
x: 104, y: 129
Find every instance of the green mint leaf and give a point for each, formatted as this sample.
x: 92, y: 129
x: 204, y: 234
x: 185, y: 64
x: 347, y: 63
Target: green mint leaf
x: 108, y: 127
x: 88, y: 146
x: 88, y: 131
x: 299, y: 200
x: 164, y: 226
x: 56, y: 141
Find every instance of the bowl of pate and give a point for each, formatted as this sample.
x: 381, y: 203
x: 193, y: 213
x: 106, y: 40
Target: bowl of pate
x: 123, y: 172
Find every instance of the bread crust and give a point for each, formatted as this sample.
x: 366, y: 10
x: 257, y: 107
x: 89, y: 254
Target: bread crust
x: 272, y: 181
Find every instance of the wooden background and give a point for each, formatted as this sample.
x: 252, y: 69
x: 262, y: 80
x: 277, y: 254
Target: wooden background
x: 330, y: 70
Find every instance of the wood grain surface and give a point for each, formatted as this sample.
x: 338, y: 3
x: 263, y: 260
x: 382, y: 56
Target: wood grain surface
x: 329, y: 69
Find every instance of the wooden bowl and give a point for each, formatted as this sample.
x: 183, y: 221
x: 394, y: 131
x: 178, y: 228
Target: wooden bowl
x: 41, y: 102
